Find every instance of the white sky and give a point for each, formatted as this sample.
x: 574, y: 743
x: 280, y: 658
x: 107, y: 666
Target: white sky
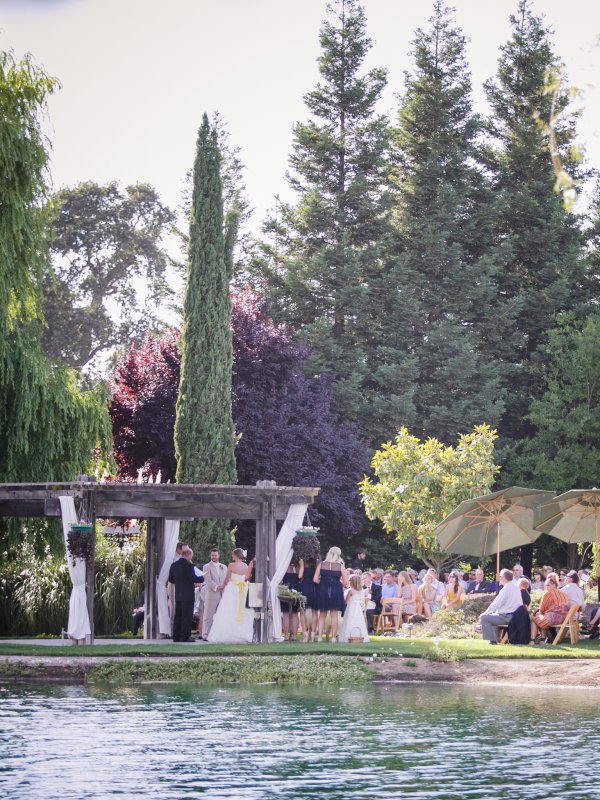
x: 137, y: 75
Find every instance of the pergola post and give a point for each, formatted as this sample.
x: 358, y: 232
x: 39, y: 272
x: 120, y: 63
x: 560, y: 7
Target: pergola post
x: 154, y: 548
x: 90, y: 568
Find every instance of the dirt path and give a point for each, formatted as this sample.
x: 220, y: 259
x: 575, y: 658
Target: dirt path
x: 583, y: 673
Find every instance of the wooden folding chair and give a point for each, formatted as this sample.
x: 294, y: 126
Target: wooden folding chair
x: 389, y: 621
x: 572, y: 623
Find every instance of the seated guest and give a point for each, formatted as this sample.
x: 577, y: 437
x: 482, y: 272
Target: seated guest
x: 138, y: 614
x: 389, y: 590
x: 479, y: 585
x: 429, y: 599
x: 518, y: 574
x: 553, y: 609
x: 537, y: 581
x: 454, y: 594
x: 502, y: 607
x: 520, y: 624
x: 439, y: 586
x: 572, y: 591
x: 372, y: 598
x: 407, y: 595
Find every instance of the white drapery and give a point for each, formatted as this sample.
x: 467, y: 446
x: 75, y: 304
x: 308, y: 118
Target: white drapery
x: 78, y: 626
x: 162, y: 595
x: 283, y: 556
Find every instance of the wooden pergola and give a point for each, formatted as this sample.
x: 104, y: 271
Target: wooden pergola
x: 266, y: 504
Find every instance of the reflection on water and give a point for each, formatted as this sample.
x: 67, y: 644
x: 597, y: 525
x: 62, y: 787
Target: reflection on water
x: 382, y: 741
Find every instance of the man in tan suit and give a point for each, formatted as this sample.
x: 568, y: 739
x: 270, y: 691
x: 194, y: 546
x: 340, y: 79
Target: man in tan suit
x: 214, y: 575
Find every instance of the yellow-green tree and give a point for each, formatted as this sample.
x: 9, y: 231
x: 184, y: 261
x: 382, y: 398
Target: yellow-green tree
x: 419, y: 483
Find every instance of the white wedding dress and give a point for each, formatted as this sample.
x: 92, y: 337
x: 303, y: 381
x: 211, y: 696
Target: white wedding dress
x: 353, y: 623
x: 233, y: 623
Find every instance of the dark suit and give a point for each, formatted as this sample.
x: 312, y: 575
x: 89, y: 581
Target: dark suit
x: 182, y: 575
x: 375, y: 590
x: 479, y: 588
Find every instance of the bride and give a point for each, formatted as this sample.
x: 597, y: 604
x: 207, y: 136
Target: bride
x: 233, y: 623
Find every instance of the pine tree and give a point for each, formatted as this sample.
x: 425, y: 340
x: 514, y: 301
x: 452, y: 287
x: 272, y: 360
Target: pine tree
x: 443, y: 260
x: 324, y: 262
x: 204, y: 431
x: 543, y: 272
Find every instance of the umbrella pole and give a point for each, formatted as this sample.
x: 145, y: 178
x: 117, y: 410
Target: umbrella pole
x: 498, y: 557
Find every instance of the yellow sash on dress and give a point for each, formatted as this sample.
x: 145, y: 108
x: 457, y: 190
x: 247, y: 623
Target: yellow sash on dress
x: 243, y: 587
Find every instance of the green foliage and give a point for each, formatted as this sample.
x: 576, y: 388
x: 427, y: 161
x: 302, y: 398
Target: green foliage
x: 420, y: 483
x: 48, y: 427
x: 448, y: 624
x: 35, y: 590
x: 564, y: 452
x: 445, y: 654
x: 204, y: 431
x: 105, y: 242
x: 543, y: 269
x: 24, y: 89
x: 247, y: 669
x: 325, y: 259
x: 443, y: 262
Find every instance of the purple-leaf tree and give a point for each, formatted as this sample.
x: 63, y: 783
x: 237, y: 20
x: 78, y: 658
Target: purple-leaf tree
x: 287, y: 430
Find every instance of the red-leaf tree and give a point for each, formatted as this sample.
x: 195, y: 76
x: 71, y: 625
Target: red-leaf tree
x: 287, y: 430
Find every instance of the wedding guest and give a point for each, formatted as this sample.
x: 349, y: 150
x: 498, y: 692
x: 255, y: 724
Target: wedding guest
x: 502, y: 607
x: 353, y: 624
x: 428, y: 596
x: 518, y: 573
x: 372, y: 599
x: 308, y: 588
x: 358, y: 562
x: 290, y: 608
x: 440, y: 587
x: 478, y: 585
x: 554, y: 607
x: 214, y: 575
x: 138, y: 613
x: 454, y: 593
x: 537, y: 580
x: 389, y: 590
x: 330, y: 574
x: 572, y: 591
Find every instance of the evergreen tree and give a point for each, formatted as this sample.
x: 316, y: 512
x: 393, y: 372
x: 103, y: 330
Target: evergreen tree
x: 204, y: 431
x: 443, y: 263
x: 565, y: 451
x: 324, y: 262
x: 48, y: 427
x: 543, y: 272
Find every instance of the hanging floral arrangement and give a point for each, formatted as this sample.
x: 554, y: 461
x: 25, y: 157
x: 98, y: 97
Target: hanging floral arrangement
x: 79, y: 541
x: 306, y: 545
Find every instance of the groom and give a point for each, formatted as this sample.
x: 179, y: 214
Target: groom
x: 214, y: 575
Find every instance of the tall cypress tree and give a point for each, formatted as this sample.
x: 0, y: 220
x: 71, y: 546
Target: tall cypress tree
x: 443, y: 259
x: 543, y: 272
x: 325, y: 259
x: 204, y: 431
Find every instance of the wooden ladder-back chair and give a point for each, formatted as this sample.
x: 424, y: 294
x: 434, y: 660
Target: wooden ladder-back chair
x: 389, y: 621
x: 571, y: 624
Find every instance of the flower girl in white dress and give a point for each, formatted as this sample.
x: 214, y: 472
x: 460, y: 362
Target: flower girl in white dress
x: 353, y: 623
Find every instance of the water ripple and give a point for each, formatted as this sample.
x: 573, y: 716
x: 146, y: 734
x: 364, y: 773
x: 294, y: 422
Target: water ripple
x: 175, y: 743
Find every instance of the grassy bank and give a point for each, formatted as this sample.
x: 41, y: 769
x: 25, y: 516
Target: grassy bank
x: 379, y: 647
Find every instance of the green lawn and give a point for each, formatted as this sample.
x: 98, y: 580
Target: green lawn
x: 381, y: 647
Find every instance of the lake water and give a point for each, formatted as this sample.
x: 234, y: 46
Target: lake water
x: 374, y: 743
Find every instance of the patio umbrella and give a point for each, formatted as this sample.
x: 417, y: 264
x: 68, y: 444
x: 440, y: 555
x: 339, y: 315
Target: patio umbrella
x: 573, y: 517
x: 492, y: 523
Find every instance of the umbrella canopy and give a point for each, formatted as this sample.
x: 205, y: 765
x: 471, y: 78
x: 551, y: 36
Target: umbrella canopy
x: 573, y: 517
x: 492, y: 523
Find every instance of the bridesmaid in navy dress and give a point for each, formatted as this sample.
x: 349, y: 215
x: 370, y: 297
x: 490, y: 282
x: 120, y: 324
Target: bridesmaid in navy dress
x: 289, y: 608
x: 308, y: 587
x: 331, y: 577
